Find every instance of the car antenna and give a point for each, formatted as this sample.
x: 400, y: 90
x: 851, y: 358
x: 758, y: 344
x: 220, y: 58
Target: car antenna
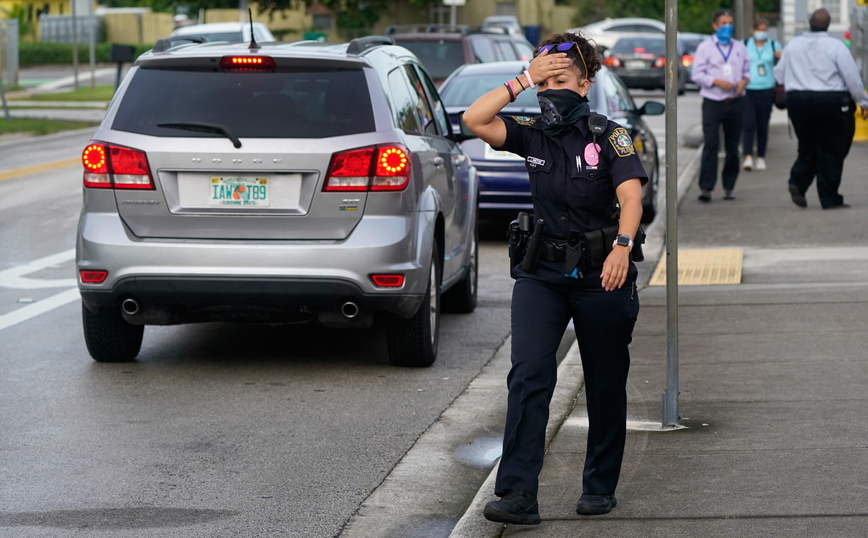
x: 253, y: 44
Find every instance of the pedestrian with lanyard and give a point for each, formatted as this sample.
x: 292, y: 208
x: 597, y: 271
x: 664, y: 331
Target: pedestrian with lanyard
x: 721, y: 69
x: 823, y: 86
x: 759, y: 96
x: 577, y: 267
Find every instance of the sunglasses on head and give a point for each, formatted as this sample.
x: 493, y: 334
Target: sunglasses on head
x: 562, y: 47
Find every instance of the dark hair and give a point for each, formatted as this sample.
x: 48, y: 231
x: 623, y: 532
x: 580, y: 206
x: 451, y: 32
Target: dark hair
x: 720, y: 13
x: 589, y: 56
x: 760, y: 22
x: 820, y: 19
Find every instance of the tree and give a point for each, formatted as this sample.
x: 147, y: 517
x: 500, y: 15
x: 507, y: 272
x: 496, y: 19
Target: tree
x: 355, y: 14
x: 171, y: 6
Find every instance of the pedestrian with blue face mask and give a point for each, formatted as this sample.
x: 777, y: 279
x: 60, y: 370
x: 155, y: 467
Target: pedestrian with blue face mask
x: 721, y: 69
x: 760, y: 94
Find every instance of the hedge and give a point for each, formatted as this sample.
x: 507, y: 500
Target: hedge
x: 30, y: 54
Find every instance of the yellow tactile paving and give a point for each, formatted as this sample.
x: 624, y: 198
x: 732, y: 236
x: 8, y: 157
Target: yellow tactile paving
x: 703, y: 267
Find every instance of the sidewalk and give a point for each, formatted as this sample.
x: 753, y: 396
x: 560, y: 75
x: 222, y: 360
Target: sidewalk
x: 773, y: 380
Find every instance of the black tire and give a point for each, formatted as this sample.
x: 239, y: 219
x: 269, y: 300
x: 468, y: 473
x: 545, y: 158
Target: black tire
x: 413, y: 342
x: 461, y: 298
x: 108, y: 337
x: 649, y: 202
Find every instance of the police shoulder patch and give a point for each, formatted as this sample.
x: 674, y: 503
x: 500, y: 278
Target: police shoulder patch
x: 525, y: 120
x: 620, y: 140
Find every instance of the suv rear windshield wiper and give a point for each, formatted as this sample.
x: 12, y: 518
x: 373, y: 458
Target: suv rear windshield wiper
x: 202, y: 128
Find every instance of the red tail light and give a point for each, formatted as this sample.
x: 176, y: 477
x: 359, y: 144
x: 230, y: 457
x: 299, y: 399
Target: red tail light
x: 388, y: 281
x: 107, y: 166
x: 247, y: 64
x: 357, y: 170
x: 686, y: 60
x: 612, y: 61
x: 660, y: 62
x: 639, y: 49
x: 93, y: 277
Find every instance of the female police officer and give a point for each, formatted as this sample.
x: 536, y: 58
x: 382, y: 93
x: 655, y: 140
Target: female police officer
x: 576, y: 177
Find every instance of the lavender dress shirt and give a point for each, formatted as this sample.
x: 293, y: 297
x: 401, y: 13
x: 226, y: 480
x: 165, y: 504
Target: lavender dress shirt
x: 709, y: 63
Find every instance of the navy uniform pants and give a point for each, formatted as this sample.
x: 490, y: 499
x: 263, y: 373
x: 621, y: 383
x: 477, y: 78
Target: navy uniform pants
x: 604, y: 324
x: 824, y: 123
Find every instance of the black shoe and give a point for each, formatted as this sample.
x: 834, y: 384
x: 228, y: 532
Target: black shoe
x: 842, y: 205
x: 798, y: 197
x: 705, y: 195
x: 517, y: 507
x: 594, y: 505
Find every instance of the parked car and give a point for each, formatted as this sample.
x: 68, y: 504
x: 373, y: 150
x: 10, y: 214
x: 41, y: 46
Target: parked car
x: 691, y: 42
x: 234, y: 32
x: 504, y: 186
x: 606, y: 32
x: 640, y: 61
x: 295, y: 183
x: 442, y: 49
x: 510, y: 22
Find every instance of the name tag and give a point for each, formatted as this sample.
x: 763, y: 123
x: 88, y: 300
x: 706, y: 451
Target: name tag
x: 535, y: 161
x: 727, y: 70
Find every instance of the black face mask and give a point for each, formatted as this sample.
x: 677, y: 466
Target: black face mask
x: 561, y: 109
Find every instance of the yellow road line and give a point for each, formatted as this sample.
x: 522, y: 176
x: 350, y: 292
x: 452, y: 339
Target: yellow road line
x: 36, y: 168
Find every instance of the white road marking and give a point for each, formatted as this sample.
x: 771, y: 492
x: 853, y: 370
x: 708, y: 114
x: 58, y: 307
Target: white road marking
x: 14, y: 278
x: 38, y: 308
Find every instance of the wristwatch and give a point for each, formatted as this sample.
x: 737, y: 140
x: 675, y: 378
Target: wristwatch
x: 623, y: 240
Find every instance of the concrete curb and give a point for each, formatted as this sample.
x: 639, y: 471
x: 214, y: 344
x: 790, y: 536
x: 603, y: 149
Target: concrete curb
x: 472, y: 524
x: 570, y: 381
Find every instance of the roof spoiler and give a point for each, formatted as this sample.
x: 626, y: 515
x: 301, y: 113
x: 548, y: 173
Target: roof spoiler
x: 165, y: 43
x: 361, y: 44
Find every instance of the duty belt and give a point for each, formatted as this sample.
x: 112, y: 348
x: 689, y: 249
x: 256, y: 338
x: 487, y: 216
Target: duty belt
x: 554, y: 250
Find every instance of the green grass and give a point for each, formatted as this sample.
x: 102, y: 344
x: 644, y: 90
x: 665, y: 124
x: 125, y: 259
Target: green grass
x: 39, y: 126
x: 84, y: 93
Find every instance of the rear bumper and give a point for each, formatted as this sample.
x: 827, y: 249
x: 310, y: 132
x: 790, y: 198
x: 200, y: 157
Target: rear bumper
x: 169, y: 301
x: 185, y: 281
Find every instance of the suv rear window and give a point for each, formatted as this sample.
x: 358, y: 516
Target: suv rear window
x: 283, y: 104
x: 649, y: 44
x: 440, y: 57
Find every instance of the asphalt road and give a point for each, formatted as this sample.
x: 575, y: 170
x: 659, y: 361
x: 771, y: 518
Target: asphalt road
x: 216, y: 429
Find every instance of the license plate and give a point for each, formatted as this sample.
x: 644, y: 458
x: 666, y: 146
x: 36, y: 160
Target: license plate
x: 239, y: 192
x: 634, y: 64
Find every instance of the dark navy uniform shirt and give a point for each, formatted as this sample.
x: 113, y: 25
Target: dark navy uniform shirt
x: 570, y: 193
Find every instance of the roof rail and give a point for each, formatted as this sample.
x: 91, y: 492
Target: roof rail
x: 361, y: 44
x: 427, y: 29
x: 165, y: 43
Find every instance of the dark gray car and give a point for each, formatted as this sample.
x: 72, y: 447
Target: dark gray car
x: 289, y: 183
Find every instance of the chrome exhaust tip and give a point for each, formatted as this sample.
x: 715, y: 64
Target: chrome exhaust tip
x: 130, y: 307
x: 350, y: 309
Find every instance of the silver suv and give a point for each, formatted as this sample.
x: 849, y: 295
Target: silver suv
x: 283, y: 183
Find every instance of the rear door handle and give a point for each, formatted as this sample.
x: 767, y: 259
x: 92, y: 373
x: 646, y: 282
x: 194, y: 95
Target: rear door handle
x: 437, y: 161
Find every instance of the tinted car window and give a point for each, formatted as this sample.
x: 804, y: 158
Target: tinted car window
x: 405, y: 102
x: 423, y: 109
x: 234, y: 37
x: 483, y: 51
x: 289, y: 104
x: 439, y: 112
x: 504, y: 50
x: 646, y: 44
x: 440, y: 58
x: 524, y: 50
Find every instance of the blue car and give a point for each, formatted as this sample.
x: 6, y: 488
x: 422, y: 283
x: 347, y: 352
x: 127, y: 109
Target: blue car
x: 504, y: 186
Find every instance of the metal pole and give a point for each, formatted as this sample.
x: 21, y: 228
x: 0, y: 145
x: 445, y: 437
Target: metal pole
x: 3, y: 98
x: 670, y: 396
x: 453, y: 11
x: 92, y: 45
x: 74, y: 47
